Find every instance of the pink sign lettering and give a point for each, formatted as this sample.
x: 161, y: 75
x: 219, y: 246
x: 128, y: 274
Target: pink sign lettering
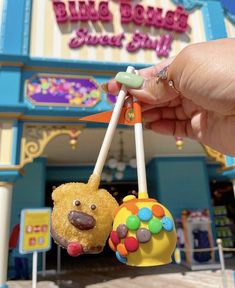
x: 139, y: 41
x: 150, y: 16
x: 83, y: 37
x: 84, y: 11
x: 162, y: 46
x: 137, y: 14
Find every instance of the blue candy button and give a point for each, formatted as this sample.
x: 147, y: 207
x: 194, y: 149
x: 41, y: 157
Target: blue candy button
x: 167, y: 224
x: 145, y: 214
x: 121, y: 258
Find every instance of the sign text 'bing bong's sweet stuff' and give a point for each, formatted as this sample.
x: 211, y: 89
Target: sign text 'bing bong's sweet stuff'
x: 140, y: 16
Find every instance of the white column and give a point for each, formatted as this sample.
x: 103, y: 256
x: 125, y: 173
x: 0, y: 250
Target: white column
x: 5, y: 214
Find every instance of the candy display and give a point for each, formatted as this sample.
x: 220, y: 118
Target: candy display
x: 73, y: 91
x: 82, y: 216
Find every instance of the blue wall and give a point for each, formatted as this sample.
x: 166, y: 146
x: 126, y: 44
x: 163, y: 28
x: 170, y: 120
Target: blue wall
x: 179, y: 183
x: 29, y: 190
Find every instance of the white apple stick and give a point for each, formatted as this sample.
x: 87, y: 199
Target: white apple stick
x: 111, y: 128
x: 140, y: 158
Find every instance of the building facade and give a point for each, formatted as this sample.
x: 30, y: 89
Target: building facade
x: 54, y: 55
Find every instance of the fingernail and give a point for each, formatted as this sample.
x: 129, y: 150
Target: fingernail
x: 129, y: 79
x: 104, y: 87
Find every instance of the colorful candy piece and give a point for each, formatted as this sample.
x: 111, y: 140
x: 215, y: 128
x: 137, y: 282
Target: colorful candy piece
x: 122, y: 231
x: 145, y: 214
x: 158, y: 211
x: 143, y: 235
x: 167, y: 223
x: 121, y: 258
x: 111, y: 245
x: 74, y: 249
x: 114, y: 237
x: 131, y: 244
x: 122, y: 250
x: 128, y: 198
x: 133, y: 222
x: 155, y: 226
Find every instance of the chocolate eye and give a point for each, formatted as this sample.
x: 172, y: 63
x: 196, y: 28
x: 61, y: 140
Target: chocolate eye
x: 76, y: 202
x: 93, y: 207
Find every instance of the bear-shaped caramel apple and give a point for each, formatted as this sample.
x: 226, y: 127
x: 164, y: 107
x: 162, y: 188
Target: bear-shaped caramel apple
x: 82, y: 216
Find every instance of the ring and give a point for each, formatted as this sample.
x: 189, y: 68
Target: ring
x: 162, y: 75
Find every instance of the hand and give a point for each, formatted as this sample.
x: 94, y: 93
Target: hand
x: 204, y: 73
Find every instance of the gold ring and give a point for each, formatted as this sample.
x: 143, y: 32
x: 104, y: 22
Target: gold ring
x: 162, y: 75
x: 172, y: 85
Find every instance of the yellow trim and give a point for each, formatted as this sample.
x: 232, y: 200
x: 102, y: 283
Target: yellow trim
x: 6, y: 184
x: 226, y: 168
x: 10, y: 167
x: 68, y: 70
x: 12, y: 64
x: 9, y: 116
x: 217, y: 156
x: 51, y: 119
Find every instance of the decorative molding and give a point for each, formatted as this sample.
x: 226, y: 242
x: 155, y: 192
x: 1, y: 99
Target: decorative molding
x: 10, y: 168
x: 68, y: 70
x: 215, y: 155
x: 11, y: 64
x: 6, y: 184
x: 37, y: 136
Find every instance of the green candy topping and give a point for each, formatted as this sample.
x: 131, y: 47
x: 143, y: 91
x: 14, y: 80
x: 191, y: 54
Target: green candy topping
x: 133, y: 222
x: 155, y: 226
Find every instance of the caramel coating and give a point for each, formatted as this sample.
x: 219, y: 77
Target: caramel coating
x: 88, y: 195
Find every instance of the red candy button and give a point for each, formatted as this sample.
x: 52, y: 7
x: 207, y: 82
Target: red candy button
x: 158, y: 211
x: 74, y: 249
x: 131, y: 244
x: 114, y: 237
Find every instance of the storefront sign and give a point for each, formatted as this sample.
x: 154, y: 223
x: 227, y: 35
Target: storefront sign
x: 35, y: 230
x: 52, y: 90
x: 136, y: 14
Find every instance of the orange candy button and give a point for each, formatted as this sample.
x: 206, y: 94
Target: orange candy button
x: 158, y: 211
x: 122, y: 250
x: 111, y: 245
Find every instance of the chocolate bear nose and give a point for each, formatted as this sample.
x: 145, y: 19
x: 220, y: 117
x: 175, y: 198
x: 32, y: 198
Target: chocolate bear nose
x: 81, y: 220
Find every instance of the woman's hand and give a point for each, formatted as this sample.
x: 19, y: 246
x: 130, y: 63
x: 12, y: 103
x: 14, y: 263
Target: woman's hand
x: 204, y: 74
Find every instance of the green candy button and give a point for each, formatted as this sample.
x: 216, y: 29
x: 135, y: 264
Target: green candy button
x: 129, y: 79
x: 133, y: 222
x: 155, y: 226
